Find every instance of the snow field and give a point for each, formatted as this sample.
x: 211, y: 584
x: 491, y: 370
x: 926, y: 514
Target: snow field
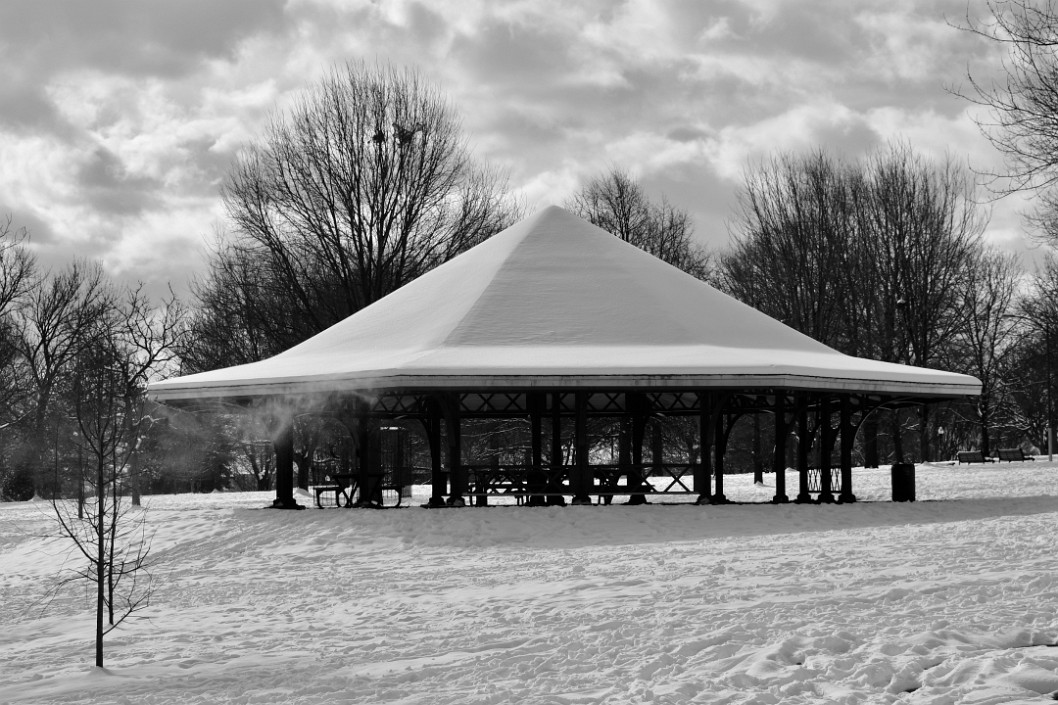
x: 949, y: 600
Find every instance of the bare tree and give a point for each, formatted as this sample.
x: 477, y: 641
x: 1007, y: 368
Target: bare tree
x: 112, y: 540
x: 987, y: 334
x: 127, y: 343
x: 1038, y: 309
x: 364, y: 185
x: 147, y: 339
x: 617, y: 203
x: 18, y: 277
x: 922, y: 228
x: 18, y: 267
x: 1020, y: 116
x: 1022, y: 109
x: 239, y: 317
x: 793, y: 238
x: 865, y: 257
x: 54, y: 327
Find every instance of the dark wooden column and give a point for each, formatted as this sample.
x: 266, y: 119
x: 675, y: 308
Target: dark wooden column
x: 639, y: 407
x: 369, y: 473
x: 804, y: 444
x: 778, y: 464
x: 826, y: 444
x: 657, y: 457
x: 721, y: 426
x: 581, y: 479
x: 703, y: 471
x: 554, y: 476
x: 438, y: 481
x: 624, y: 448
x: 536, y: 479
x: 624, y: 445
x: 848, y: 437
x: 457, y: 473
x: 284, y: 448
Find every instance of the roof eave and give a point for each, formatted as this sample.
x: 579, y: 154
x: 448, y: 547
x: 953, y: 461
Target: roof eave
x: 381, y: 384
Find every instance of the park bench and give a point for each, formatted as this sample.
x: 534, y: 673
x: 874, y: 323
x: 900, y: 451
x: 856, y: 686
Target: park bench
x: 496, y: 480
x: 971, y: 456
x: 384, y: 489
x: 327, y: 478
x: 1013, y: 455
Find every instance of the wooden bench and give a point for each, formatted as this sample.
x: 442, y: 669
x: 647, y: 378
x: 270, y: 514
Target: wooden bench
x: 327, y: 478
x: 385, y: 489
x: 486, y: 481
x: 1013, y: 455
x: 481, y: 491
x: 971, y: 456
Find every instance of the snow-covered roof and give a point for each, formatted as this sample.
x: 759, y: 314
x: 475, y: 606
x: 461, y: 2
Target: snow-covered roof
x: 554, y: 301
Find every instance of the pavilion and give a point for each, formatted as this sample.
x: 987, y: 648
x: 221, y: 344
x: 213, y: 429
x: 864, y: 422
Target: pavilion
x: 556, y: 321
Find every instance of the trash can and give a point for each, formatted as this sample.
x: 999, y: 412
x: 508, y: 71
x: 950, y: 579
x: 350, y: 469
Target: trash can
x: 903, y: 482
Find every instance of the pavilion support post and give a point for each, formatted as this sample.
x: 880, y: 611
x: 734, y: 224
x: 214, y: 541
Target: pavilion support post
x: 722, y: 427
x: 778, y: 465
x: 657, y: 456
x: 826, y: 438
x: 758, y: 459
x: 624, y: 448
x: 370, y: 471
x: 703, y: 471
x: 804, y: 443
x: 870, y: 441
x: 457, y: 473
x: 624, y: 445
x: 581, y: 479
x: 639, y: 408
x: 848, y: 437
x: 284, y: 449
x: 536, y: 481
x: 480, y: 489
x: 438, y: 481
x: 554, y: 476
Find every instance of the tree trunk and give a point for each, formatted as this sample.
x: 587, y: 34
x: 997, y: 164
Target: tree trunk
x: 985, y: 414
x: 132, y: 436
x: 100, y: 520
x: 112, y: 539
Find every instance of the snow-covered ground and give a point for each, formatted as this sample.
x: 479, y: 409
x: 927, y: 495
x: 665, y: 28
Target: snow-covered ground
x: 952, y: 599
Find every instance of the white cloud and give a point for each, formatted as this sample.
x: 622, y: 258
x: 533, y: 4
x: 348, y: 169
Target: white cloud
x: 795, y: 130
x: 936, y: 135
x: 553, y: 91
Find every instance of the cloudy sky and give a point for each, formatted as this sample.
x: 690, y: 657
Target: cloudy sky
x: 119, y: 118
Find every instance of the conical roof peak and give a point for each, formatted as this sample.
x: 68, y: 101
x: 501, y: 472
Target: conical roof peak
x: 555, y: 300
